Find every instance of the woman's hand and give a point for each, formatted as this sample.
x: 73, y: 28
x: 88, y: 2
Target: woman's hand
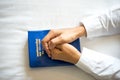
x: 65, y: 52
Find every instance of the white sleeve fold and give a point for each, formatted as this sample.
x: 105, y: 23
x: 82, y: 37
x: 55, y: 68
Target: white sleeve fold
x: 107, y: 23
x: 99, y: 65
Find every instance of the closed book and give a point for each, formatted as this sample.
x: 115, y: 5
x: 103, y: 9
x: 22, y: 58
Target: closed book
x: 37, y: 55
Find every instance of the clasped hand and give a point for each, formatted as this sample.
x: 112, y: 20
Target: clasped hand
x: 56, y: 44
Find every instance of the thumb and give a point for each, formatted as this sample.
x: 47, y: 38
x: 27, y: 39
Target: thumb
x: 56, y: 41
x: 55, y: 54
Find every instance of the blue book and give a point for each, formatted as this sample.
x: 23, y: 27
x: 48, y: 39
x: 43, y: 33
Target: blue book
x: 37, y: 56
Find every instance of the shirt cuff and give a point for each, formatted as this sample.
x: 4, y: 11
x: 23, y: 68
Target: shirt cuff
x: 97, y: 64
x: 93, y: 26
x: 90, y: 60
x: 85, y: 60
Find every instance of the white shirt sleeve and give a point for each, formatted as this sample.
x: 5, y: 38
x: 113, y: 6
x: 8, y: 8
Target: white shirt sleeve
x: 103, y: 24
x: 102, y: 67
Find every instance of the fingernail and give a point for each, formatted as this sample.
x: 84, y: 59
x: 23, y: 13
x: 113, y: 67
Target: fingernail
x: 48, y: 55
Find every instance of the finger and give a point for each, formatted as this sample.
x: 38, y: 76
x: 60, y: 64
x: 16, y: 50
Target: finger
x: 51, y: 34
x: 55, y: 53
x: 47, y: 49
x: 56, y: 41
x: 48, y: 37
x: 65, y: 47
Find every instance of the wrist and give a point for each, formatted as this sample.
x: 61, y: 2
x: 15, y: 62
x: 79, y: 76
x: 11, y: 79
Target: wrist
x: 81, y: 30
x: 76, y: 59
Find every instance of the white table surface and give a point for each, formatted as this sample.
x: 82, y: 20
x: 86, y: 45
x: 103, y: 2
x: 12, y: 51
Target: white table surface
x: 19, y: 16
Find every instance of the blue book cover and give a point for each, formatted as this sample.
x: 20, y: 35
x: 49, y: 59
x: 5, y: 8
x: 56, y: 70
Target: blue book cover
x: 37, y: 56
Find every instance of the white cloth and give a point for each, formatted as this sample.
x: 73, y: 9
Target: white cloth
x: 99, y: 65
x: 19, y: 16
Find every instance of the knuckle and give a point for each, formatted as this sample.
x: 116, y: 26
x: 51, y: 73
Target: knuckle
x: 51, y: 42
x: 62, y: 38
x: 53, y: 31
